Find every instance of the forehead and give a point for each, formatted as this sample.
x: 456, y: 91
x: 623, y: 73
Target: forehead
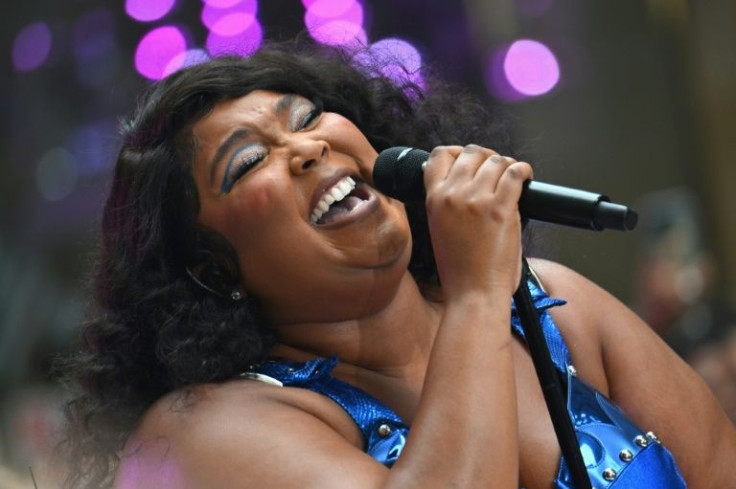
x: 252, y: 107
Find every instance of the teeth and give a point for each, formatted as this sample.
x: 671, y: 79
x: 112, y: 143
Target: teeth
x: 335, y: 194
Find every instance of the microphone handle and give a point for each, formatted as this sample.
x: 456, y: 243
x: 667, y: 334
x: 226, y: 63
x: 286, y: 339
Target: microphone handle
x: 572, y: 207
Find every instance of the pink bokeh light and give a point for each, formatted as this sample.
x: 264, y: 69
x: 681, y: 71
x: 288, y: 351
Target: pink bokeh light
x: 323, y: 11
x: 531, y: 68
x: 339, y: 33
x: 230, y: 20
x: 336, y: 22
x: 331, y: 9
x: 157, y: 49
x: 232, y: 24
x: 221, y: 3
x: 242, y: 44
x: 31, y: 46
x: 148, y: 10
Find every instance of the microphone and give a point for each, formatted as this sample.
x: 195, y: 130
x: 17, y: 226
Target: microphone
x: 398, y: 173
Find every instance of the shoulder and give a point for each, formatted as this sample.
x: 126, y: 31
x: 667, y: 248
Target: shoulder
x: 210, y: 435
x: 654, y: 386
x: 580, y: 319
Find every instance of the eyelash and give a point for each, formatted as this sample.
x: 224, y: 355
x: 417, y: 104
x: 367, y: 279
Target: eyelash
x: 244, y: 166
x: 313, y: 114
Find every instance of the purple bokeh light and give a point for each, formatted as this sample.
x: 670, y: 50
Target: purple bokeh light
x: 187, y: 58
x: 230, y: 20
x: 94, y: 35
x: 31, y: 46
x: 243, y: 44
x: 395, y: 59
x: 148, y: 10
x: 336, y: 22
x: 93, y: 146
x: 531, y: 67
x: 156, y: 50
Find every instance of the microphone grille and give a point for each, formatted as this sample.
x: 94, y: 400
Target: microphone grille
x: 398, y: 173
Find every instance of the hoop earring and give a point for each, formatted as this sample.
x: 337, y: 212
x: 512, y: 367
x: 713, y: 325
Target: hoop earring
x: 235, y: 295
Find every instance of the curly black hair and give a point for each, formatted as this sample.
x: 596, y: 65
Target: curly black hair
x: 152, y: 328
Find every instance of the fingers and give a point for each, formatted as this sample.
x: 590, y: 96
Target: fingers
x: 507, y: 174
x: 473, y: 170
x: 472, y: 198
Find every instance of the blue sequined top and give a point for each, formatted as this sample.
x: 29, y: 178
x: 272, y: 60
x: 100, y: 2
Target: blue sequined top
x: 617, y: 454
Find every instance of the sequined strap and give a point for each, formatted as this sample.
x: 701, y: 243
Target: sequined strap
x: 557, y: 347
x: 384, y: 432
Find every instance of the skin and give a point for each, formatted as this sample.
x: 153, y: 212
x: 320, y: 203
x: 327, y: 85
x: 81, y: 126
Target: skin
x: 345, y: 290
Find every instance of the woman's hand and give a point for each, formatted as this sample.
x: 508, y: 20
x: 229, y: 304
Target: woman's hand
x: 472, y: 208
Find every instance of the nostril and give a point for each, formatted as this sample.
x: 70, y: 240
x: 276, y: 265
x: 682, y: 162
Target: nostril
x: 307, y: 164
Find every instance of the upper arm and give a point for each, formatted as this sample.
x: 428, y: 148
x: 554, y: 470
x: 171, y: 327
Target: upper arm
x: 653, y: 385
x: 267, y: 442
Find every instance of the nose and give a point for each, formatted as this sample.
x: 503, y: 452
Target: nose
x: 307, y: 152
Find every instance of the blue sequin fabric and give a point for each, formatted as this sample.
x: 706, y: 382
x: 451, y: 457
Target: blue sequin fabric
x: 617, y: 454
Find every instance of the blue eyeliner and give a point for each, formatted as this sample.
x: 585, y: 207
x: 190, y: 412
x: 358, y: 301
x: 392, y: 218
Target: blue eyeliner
x: 227, y: 185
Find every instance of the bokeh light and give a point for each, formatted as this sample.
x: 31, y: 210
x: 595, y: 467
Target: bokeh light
x: 331, y: 9
x: 187, y: 58
x: 531, y: 68
x: 93, y: 146
x: 156, y: 50
x: 521, y: 70
x: 31, y: 46
x: 221, y: 3
x: 339, y: 33
x: 336, y: 22
x: 56, y: 174
x: 94, y: 35
x: 231, y: 20
x: 398, y: 60
x: 148, y: 10
x: 243, y: 44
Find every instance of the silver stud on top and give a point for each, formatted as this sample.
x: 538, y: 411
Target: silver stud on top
x: 572, y: 370
x: 652, y: 437
x: 609, y: 474
x: 625, y: 455
x: 641, y: 441
x: 384, y: 430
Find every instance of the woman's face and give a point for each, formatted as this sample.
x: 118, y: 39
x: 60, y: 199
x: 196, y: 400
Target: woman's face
x: 271, y: 170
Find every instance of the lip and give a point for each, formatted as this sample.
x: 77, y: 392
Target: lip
x: 369, y: 205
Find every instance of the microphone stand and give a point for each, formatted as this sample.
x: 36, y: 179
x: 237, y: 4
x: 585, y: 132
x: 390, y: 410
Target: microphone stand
x: 554, y: 393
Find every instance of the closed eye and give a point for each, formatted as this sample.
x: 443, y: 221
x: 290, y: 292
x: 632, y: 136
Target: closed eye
x: 307, y: 115
x: 242, y: 161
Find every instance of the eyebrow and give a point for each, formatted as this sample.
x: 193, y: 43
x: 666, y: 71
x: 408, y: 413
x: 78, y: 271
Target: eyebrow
x: 282, y: 104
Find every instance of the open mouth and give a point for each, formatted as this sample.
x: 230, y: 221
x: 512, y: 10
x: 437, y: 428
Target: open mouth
x: 340, y: 201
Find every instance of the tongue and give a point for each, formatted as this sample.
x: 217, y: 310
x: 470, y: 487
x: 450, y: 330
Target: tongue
x: 338, y: 208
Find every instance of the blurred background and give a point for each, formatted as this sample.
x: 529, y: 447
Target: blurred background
x: 634, y: 99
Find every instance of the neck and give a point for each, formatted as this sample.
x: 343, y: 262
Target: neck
x: 408, y: 319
